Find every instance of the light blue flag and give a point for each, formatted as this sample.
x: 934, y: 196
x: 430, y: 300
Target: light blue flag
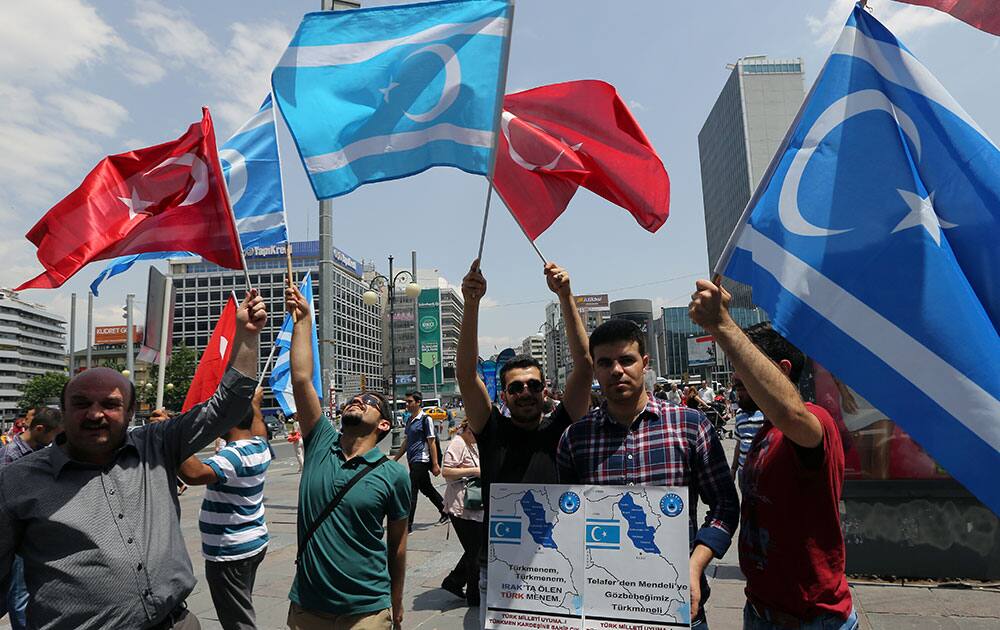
x: 281, y: 374
x: 387, y: 92
x: 253, y: 177
x: 872, y: 241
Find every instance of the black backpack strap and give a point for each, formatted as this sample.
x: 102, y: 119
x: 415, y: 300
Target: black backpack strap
x: 332, y: 505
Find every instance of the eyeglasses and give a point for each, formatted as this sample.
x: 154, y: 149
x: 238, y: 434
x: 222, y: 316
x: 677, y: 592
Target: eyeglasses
x: 534, y: 386
x: 370, y: 401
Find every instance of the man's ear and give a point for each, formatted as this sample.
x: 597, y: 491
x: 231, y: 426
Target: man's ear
x: 786, y: 366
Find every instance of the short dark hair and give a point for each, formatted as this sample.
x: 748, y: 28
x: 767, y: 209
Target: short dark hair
x: 246, y: 423
x: 777, y: 348
x: 615, y: 330
x: 415, y: 395
x: 383, y: 407
x: 520, y: 362
x: 47, y: 417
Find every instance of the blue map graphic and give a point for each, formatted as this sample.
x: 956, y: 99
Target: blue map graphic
x: 640, y: 533
x: 538, y: 527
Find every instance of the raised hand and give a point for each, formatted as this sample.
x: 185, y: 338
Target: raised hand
x: 296, y: 304
x: 557, y: 278
x: 709, y: 307
x: 474, y: 284
x: 251, y: 316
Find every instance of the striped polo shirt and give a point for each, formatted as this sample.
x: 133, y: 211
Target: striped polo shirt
x: 747, y: 426
x: 232, y: 513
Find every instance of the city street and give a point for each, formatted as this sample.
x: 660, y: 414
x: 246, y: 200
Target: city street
x: 434, y: 549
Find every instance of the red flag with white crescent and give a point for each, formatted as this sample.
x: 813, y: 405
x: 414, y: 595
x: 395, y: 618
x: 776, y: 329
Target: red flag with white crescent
x: 558, y: 137
x: 214, y: 359
x: 164, y: 198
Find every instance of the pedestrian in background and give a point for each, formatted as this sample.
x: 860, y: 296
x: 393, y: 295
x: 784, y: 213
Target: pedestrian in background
x: 231, y: 521
x: 44, y: 425
x: 421, y: 449
x: 461, y: 469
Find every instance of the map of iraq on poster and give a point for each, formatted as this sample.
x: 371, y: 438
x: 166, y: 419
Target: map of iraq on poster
x: 593, y: 557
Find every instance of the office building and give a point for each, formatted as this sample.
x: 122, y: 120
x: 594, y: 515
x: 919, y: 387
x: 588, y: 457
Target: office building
x: 451, y: 306
x: 534, y: 347
x: 736, y: 143
x: 110, y: 350
x: 32, y: 342
x: 202, y: 288
x: 639, y: 311
x: 594, y: 311
x: 671, y: 332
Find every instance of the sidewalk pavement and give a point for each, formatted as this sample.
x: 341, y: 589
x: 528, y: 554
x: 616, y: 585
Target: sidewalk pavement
x: 434, y: 549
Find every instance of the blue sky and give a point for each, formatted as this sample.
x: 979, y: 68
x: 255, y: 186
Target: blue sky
x: 81, y: 79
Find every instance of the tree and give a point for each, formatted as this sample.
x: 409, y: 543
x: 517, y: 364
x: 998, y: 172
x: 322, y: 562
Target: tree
x: 41, y: 389
x: 179, y: 372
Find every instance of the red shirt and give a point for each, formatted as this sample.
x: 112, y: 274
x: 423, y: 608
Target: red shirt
x: 791, y: 544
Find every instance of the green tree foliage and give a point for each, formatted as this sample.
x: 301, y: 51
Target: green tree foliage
x: 42, y: 388
x: 179, y: 372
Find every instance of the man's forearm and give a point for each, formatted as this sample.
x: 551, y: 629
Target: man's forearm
x: 244, y: 355
x: 468, y: 344
x: 576, y: 397
x: 772, y: 391
x: 397, y: 574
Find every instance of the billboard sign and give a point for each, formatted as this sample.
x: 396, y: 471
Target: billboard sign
x: 595, y: 302
x: 701, y: 351
x: 429, y: 336
x: 115, y: 335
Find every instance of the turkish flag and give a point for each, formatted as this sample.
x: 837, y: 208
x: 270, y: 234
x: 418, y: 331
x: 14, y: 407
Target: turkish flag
x: 558, y: 137
x: 983, y: 14
x: 169, y: 197
x: 214, y: 359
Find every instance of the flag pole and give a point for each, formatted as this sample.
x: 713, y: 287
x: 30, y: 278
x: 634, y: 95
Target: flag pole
x: 497, y: 113
x: 267, y: 365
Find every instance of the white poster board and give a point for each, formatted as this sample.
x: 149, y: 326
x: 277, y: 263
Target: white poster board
x: 608, y: 557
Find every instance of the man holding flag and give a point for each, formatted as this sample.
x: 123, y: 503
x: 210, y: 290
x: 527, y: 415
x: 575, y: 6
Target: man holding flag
x: 95, y: 517
x: 350, y: 565
x: 791, y: 545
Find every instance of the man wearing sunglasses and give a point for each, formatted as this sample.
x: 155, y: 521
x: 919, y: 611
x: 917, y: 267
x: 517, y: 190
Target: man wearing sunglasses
x: 520, y: 448
x: 346, y: 575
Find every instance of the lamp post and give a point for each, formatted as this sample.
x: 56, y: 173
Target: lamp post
x: 370, y: 298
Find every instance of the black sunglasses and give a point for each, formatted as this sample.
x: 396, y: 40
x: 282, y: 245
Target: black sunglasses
x: 535, y: 386
x: 371, y: 401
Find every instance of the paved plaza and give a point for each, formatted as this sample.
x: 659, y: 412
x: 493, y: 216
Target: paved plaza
x: 434, y: 549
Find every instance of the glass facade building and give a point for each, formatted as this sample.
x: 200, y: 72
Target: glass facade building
x: 735, y: 145
x: 32, y: 342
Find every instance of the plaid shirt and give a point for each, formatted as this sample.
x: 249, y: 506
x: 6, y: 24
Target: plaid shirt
x: 666, y: 445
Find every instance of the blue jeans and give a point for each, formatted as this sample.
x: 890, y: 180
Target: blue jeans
x: 753, y: 621
x: 15, y: 600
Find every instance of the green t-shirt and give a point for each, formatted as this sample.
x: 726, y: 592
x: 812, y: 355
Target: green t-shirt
x: 344, y: 569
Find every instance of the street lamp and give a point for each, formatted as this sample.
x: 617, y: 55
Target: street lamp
x: 370, y: 298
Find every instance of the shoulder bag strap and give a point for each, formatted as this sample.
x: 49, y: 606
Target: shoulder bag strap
x: 332, y: 505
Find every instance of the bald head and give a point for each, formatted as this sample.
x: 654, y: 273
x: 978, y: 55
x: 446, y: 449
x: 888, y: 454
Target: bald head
x: 98, y: 405
x: 102, y: 378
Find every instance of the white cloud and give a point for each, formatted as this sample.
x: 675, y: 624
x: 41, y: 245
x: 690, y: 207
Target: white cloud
x: 44, y: 41
x: 141, y: 68
x: 46, y: 144
x: 901, y: 20
x: 241, y: 70
x: 88, y: 111
x: 636, y: 106
x: 488, y: 302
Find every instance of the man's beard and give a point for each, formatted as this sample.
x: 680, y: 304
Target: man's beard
x: 352, y: 419
x: 527, y: 414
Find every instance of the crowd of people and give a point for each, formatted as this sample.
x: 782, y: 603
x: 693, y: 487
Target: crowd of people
x: 91, y: 524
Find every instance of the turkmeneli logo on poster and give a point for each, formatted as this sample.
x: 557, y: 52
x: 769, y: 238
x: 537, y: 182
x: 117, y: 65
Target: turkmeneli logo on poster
x: 428, y: 324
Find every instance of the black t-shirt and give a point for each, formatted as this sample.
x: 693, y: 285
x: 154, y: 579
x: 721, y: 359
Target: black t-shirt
x: 509, y: 454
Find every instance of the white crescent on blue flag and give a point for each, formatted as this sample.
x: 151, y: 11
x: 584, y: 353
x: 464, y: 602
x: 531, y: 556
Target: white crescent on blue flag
x: 872, y: 242
x: 387, y: 92
x: 253, y: 176
x: 281, y: 374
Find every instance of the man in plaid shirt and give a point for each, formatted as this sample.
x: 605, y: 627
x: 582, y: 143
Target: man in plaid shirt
x: 634, y: 439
